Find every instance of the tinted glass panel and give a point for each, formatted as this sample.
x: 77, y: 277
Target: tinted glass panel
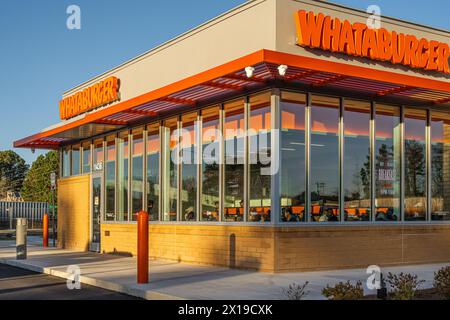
x: 110, y: 180
x: 325, y: 159
x: 153, y: 151
x: 293, y: 186
x: 357, y: 161
x: 210, y: 164
x: 440, y: 166
x: 189, y: 167
x: 387, y: 163
x: 137, y: 181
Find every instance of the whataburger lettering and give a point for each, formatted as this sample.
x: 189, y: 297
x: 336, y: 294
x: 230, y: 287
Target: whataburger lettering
x: 357, y: 39
x: 95, y: 96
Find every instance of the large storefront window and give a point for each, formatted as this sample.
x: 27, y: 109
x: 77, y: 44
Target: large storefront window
x: 153, y: 148
x: 170, y: 167
x: 110, y: 174
x: 137, y: 173
x: 122, y: 175
x: 387, y: 163
x: 415, y: 165
x: 260, y: 158
x: 293, y: 186
x: 234, y: 136
x: 210, y: 164
x: 324, y: 159
x: 357, y: 171
x: 66, y: 162
x: 86, y: 158
x: 76, y: 160
x: 440, y: 166
x: 189, y: 167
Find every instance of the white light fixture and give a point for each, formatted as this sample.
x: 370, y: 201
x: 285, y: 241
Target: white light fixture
x: 282, y: 70
x: 249, y: 71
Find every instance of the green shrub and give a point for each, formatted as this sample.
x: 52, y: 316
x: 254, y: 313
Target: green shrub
x: 403, y: 286
x: 296, y: 291
x: 442, y: 282
x: 344, y: 291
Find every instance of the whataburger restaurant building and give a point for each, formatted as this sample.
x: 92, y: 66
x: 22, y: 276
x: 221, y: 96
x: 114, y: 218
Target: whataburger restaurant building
x: 357, y: 124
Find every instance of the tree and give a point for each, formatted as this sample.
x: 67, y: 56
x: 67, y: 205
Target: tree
x: 12, y: 172
x: 37, y: 184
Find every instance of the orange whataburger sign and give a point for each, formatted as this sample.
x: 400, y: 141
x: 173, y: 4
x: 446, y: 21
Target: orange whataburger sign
x: 95, y: 96
x: 357, y: 39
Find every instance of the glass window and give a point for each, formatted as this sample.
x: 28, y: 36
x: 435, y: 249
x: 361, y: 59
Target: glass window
x: 210, y: 165
x: 325, y: 159
x: 66, y: 163
x: 153, y: 151
x: 98, y: 153
x: 293, y: 186
x: 122, y: 175
x: 259, y: 158
x: 137, y: 174
x: 76, y: 160
x: 189, y: 167
x: 415, y: 165
x: 357, y: 170
x: 387, y: 163
x: 170, y: 167
x: 234, y: 136
x: 87, y: 158
x: 110, y: 175
x: 440, y: 165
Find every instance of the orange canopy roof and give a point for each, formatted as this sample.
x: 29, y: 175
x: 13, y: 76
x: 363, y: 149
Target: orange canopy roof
x: 229, y: 79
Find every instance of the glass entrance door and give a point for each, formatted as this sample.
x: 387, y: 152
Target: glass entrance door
x: 96, y: 213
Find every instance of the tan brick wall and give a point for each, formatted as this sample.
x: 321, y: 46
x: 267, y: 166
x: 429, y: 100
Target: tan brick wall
x: 240, y: 247
x: 74, y: 212
x: 287, y: 249
x: 316, y: 248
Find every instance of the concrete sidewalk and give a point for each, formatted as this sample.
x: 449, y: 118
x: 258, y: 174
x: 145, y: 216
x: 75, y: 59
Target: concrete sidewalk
x: 171, y: 280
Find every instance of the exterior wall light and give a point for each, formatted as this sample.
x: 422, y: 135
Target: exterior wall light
x: 282, y: 70
x: 249, y: 71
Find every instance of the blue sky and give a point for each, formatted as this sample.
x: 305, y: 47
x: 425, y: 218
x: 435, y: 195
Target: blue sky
x: 40, y: 58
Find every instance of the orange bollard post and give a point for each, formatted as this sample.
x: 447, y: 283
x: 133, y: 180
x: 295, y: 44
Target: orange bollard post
x: 45, y: 231
x: 142, y: 248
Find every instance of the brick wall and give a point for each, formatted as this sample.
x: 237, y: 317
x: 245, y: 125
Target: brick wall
x: 74, y: 212
x: 239, y: 247
x: 287, y: 249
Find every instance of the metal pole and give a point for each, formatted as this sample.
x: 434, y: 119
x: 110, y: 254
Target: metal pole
x: 21, y: 239
x: 53, y: 218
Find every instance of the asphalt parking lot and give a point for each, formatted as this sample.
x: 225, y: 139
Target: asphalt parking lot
x: 19, y: 284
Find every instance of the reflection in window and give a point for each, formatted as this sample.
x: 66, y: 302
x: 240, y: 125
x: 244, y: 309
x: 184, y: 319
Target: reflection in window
x: 76, y: 160
x: 66, y: 163
x: 357, y: 161
x: 137, y: 174
x: 210, y: 164
x: 259, y: 158
x: 325, y: 159
x: 415, y: 164
x: 189, y: 167
x: 110, y: 182
x: 98, y: 152
x: 122, y: 175
x: 153, y: 172
x: 293, y: 191
x: 387, y: 163
x: 170, y: 174
x: 440, y: 166
x: 234, y: 136
x: 87, y: 158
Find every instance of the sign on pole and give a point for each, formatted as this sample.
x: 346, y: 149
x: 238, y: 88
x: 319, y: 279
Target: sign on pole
x: 53, y: 180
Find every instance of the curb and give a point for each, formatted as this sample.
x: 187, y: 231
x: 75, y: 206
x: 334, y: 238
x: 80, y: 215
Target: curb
x: 107, y: 285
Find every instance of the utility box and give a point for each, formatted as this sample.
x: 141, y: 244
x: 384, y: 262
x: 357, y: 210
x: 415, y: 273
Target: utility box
x: 21, y: 239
